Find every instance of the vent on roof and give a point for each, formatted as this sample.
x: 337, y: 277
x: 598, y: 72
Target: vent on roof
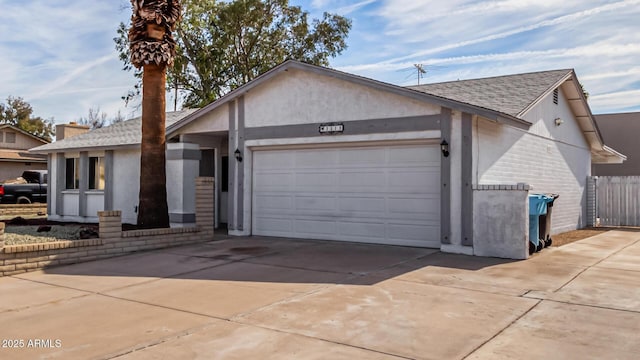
x: 555, y: 96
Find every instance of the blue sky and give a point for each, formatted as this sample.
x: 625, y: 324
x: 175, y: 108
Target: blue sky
x: 60, y: 57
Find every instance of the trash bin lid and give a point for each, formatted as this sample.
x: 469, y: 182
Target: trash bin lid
x: 538, y: 204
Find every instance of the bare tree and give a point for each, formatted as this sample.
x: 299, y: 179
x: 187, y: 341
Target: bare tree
x: 95, y: 119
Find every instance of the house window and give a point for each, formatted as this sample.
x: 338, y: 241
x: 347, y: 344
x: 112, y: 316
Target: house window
x: 71, y: 173
x: 96, y: 173
x: 10, y: 137
x: 1, y: 136
x: 555, y: 96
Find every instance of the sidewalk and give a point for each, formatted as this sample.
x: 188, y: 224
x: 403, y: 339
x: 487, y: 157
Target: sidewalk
x: 270, y: 298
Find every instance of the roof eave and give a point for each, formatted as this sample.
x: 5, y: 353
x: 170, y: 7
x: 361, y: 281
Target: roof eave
x: 607, y: 155
x: 93, y: 148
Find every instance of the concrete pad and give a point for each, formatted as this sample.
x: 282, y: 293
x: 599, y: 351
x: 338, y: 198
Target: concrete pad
x: 482, y: 274
x: 268, y: 277
x: 239, y: 248
x: 19, y: 294
x: 564, y: 331
x: 91, y: 326
x: 222, y: 299
x: 625, y: 259
x: 113, y: 273
x: 343, y: 257
x: 589, y: 251
x: 611, y: 288
x: 227, y: 340
x: 395, y: 317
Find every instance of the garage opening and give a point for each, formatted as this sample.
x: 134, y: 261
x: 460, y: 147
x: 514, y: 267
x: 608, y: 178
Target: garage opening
x: 374, y: 194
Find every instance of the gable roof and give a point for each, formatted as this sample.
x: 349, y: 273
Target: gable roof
x: 124, y: 134
x: 504, y: 99
x: 17, y: 129
x: 517, y: 94
x: 509, y: 94
x: 454, y: 104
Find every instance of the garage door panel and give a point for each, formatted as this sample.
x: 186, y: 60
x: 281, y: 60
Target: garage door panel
x: 412, y: 208
x: 312, y: 181
x: 358, y: 157
x: 363, y: 205
x: 279, y: 202
x: 411, y: 181
x: 365, y: 178
x: 315, y: 203
x: 375, y: 230
x: 315, y: 227
x: 275, y: 160
x: 383, y: 194
x: 275, y: 181
x: 274, y: 224
x: 409, y: 155
x: 414, y: 232
x: 305, y: 159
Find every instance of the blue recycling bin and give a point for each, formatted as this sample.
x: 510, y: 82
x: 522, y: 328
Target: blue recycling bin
x: 537, y: 206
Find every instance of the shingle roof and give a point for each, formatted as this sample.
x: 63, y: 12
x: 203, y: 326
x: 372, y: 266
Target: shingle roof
x: 126, y: 133
x: 20, y: 156
x: 510, y: 94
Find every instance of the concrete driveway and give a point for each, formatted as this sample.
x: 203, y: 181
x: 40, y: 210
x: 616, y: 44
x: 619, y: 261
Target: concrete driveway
x: 268, y: 298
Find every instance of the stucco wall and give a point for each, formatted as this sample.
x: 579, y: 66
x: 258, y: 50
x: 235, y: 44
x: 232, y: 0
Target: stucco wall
x: 501, y: 221
x: 297, y: 97
x: 552, y: 159
x: 213, y: 121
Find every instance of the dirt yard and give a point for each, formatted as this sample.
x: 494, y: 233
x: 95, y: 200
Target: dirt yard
x: 575, y: 235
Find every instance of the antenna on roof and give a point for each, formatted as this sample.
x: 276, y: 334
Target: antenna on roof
x: 421, y: 71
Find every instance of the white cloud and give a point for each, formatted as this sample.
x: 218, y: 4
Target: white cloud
x: 348, y: 9
x: 65, y: 48
x: 615, y: 101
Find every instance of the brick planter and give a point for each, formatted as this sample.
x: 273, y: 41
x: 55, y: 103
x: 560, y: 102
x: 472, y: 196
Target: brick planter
x: 15, y: 259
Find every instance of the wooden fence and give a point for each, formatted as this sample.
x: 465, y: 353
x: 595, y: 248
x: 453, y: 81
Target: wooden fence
x: 617, y: 200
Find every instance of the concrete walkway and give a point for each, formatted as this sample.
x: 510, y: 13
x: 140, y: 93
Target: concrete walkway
x: 267, y: 298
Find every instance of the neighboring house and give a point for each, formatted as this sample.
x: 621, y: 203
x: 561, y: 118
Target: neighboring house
x: 620, y: 129
x: 14, y: 155
x: 309, y: 152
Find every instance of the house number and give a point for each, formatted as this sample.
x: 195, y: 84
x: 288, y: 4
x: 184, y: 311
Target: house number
x: 331, y: 128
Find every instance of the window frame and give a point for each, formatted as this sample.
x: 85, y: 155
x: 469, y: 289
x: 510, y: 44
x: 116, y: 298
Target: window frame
x: 96, y: 179
x: 74, y: 178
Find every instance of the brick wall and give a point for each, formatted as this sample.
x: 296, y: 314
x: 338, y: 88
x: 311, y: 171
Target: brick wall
x: 508, y: 155
x: 22, y: 209
x: 15, y: 259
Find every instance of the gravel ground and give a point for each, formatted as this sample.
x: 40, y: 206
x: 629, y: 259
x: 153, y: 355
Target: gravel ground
x: 15, y: 235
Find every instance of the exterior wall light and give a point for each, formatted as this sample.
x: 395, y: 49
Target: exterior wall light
x: 558, y: 121
x: 238, y: 155
x: 444, y: 147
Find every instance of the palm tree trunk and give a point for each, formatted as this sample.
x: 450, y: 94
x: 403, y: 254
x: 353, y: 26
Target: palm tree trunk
x: 153, y: 210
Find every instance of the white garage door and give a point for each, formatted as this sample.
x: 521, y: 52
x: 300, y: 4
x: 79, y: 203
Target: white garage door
x: 381, y: 194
